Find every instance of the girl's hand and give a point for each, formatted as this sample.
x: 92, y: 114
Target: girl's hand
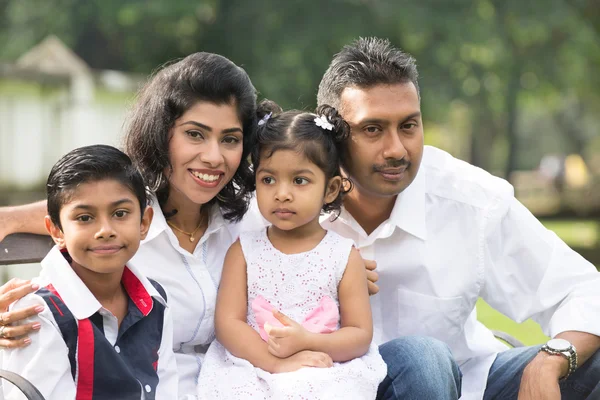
x: 287, y: 340
x: 305, y: 358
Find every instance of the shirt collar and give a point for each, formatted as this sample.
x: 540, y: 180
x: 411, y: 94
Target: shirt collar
x: 159, y: 222
x: 409, y: 209
x: 408, y: 213
x: 80, y: 300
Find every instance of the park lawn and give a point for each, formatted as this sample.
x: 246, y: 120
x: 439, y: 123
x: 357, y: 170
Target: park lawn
x: 529, y: 332
x: 574, y: 233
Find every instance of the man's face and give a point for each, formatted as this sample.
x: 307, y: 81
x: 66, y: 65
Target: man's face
x: 386, y: 142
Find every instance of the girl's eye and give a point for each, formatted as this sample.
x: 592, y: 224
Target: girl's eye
x: 231, y: 140
x: 194, y: 134
x: 300, y: 181
x: 84, y: 218
x: 121, y: 213
x: 268, y: 180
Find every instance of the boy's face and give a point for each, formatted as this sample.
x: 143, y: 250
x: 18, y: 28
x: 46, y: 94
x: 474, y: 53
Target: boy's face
x: 386, y: 141
x: 101, y: 225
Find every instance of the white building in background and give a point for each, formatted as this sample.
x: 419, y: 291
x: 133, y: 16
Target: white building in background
x: 52, y: 102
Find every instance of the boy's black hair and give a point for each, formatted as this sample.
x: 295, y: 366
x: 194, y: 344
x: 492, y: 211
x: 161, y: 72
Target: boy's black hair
x: 91, y: 164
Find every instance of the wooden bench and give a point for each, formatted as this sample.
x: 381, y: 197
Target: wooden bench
x: 23, y: 248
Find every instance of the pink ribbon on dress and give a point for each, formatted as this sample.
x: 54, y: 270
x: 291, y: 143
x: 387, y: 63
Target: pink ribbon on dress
x: 323, y: 319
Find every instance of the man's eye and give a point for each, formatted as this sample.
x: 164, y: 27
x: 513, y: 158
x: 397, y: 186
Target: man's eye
x: 372, y: 129
x: 408, y: 126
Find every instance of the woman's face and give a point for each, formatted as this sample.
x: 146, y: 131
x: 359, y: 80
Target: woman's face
x: 205, y: 150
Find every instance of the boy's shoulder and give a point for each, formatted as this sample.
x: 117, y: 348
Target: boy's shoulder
x: 44, y: 297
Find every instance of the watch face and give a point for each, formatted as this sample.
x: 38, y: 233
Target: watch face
x: 559, y: 344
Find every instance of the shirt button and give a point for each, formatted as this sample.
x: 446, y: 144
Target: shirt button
x: 117, y: 349
x: 148, y: 388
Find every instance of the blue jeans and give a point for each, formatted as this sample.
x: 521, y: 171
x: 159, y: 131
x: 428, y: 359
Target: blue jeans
x: 505, y: 376
x: 419, y: 368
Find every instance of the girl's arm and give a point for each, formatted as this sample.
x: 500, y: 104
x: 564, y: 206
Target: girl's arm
x: 352, y: 340
x: 232, y: 328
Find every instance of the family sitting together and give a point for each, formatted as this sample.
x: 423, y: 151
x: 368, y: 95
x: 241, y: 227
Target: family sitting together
x: 239, y: 251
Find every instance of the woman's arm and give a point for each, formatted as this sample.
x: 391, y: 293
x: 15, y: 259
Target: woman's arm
x: 232, y: 328
x: 352, y: 340
x: 27, y: 218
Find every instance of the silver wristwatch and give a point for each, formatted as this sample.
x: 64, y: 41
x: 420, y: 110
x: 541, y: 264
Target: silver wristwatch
x: 562, y: 347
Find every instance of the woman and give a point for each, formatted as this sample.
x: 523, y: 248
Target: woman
x: 188, y: 134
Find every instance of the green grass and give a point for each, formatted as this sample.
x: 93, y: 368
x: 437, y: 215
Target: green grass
x: 528, y: 332
x: 574, y: 233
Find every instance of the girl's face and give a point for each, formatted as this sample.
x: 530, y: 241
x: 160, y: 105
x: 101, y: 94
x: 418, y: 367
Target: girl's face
x: 205, y: 151
x: 291, y: 190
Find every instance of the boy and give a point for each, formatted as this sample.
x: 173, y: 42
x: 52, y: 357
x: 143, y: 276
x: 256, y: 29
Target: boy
x: 107, y: 328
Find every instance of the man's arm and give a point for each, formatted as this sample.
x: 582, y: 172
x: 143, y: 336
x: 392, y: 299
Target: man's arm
x: 28, y: 218
x: 531, y: 273
x: 44, y: 362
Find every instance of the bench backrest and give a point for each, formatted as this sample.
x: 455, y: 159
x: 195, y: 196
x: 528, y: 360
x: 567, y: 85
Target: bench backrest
x: 22, y: 248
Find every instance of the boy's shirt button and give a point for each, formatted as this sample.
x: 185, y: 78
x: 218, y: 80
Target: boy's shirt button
x: 148, y: 388
x: 117, y: 349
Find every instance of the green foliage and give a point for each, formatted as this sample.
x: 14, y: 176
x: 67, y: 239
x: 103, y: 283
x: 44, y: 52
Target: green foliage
x: 505, y: 80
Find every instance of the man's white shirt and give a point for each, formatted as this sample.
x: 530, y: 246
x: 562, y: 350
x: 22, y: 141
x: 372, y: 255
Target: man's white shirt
x: 455, y: 234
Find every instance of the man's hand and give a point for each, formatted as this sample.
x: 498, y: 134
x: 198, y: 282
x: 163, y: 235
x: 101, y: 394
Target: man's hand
x: 540, y: 377
x: 288, y: 340
x: 15, y: 336
x: 372, y: 276
x: 305, y: 358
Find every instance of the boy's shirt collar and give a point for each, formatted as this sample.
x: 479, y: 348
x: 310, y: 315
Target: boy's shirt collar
x: 80, y: 300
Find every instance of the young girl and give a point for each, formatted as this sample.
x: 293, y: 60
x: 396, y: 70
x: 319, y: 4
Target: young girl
x: 294, y: 295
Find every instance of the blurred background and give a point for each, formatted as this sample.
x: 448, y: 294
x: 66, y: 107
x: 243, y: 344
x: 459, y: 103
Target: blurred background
x: 510, y: 86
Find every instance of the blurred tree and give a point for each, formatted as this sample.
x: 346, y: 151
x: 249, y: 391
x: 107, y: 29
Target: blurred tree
x: 507, y: 67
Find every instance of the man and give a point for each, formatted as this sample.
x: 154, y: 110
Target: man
x: 444, y: 233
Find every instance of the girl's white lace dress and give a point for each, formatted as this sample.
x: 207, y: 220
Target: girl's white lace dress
x: 304, y: 287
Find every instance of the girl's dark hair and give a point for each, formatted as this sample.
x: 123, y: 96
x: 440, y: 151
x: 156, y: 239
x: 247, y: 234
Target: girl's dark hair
x: 297, y: 130
x: 167, y: 96
x: 91, y: 164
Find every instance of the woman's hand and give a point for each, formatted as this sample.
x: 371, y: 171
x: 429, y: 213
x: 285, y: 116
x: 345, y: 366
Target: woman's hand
x: 286, y: 340
x: 305, y: 358
x: 15, y: 336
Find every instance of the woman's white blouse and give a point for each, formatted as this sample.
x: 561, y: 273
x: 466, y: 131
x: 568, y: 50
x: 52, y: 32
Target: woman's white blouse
x: 191, y: 281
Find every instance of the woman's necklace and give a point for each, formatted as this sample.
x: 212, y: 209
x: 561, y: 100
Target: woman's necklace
x: 190, y: 234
